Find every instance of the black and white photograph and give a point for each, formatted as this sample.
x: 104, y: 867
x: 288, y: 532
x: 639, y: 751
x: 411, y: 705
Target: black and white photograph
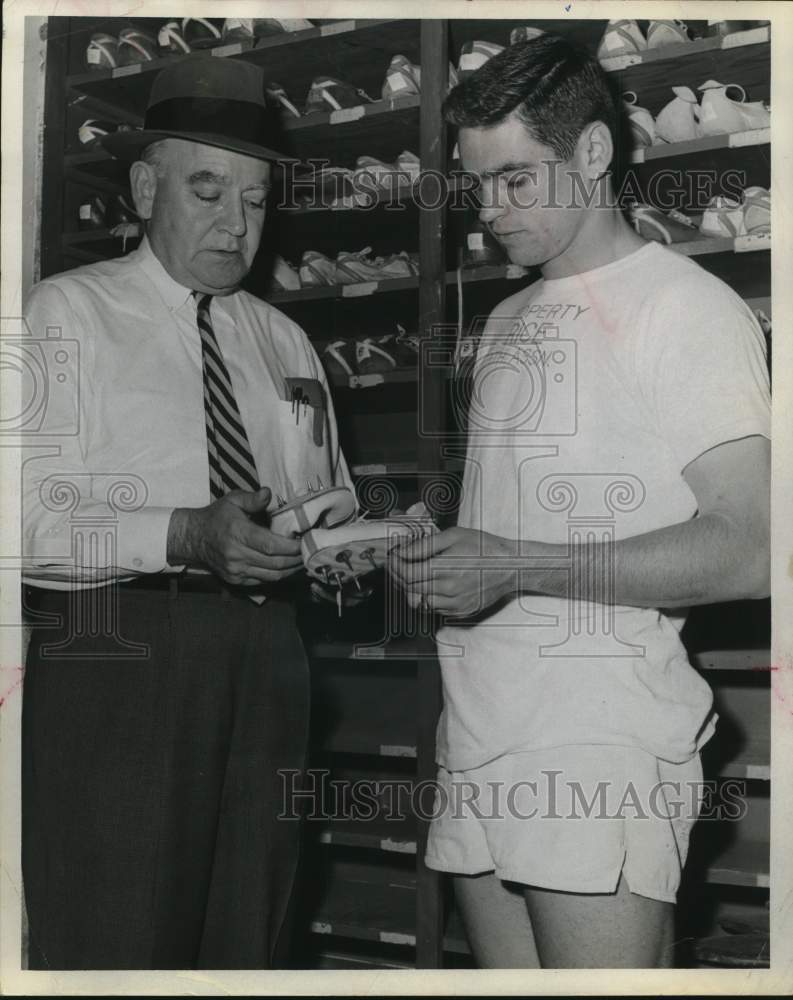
x: 397, y: 574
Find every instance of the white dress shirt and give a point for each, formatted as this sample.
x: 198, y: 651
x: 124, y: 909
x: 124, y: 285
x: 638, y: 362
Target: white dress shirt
x: 122, y: 437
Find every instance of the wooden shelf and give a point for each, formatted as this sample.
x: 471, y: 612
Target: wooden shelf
x: 397, y: 837
x: 365, y: 712
x: 735, y: 140
x: 376, y: 911
x: 398, y: 376
x: 687, y: 50
x: 756, y: 660
x: 744, y: 863
x: 354, y: 291
x: 343, y: 50
x: 402, y: 648
x: 752, y: 762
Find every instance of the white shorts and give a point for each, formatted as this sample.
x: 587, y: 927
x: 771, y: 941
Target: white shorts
x: 569, y: 818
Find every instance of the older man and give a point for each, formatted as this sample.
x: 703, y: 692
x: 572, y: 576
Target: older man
x: 166, y: 683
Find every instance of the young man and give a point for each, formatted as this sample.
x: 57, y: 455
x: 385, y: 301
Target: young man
x: 166, y: 683
x: 618, y: 464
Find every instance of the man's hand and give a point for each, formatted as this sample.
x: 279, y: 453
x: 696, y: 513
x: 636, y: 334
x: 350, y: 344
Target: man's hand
x: 456, y: 572
x: 224, y: 538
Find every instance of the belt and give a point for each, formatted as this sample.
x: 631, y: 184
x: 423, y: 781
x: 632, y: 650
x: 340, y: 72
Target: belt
x: 188, y: 583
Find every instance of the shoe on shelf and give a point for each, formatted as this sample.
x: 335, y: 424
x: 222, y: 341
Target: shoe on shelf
x: 524, y: 34
x: 136, y: 46
x: 276, y: 94
x: 171, y: 39
x: 92, y: 213
x: 621, y: 37
x: 202, y: 32
x: 756, y: 211
x: 409, y: 165
x: 405, y: 347
x: 329, y: 94
x: 662, y: 227
x: 284, y: 277
x: 266, y: 27
x: 640, y: 120
x: 720, y: 114
x: 399, y: 265
x: 678, y: 121
x: 719, y: 27
x: 474, y: 55
x: 317, y: 270
x: 102, y: 51
x: 339, y: 358
x: 354, y: 267
x: 402, y: 78
x: 374, y: 177
x: 93, y: 130
x: 660, y: 33
x: 723, y: 217
x: 372, y: 357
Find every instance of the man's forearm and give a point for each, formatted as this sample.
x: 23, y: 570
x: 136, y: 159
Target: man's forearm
x: 703, y: 561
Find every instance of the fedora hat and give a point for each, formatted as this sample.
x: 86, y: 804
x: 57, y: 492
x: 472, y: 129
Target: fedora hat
x: 202, y: 98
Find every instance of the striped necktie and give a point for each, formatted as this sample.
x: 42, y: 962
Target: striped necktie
x: 231, y: 465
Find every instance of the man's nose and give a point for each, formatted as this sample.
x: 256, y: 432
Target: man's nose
x: 490, y: 204
x: 233, y: 220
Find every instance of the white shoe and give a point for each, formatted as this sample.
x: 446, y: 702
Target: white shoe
x: 353, y: 550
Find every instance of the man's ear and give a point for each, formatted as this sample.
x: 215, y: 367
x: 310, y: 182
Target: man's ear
x: 143, y: 184
x: 597, y: 149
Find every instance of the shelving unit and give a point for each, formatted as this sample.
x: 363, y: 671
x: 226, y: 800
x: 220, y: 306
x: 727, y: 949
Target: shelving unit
x: 377, y: 700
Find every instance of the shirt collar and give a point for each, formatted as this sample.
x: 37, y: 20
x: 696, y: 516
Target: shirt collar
x: 173, y: 294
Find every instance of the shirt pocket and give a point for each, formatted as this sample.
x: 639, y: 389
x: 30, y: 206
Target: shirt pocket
x: 299, y: 462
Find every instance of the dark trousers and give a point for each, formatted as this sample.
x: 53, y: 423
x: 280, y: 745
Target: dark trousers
x: 150, y: 785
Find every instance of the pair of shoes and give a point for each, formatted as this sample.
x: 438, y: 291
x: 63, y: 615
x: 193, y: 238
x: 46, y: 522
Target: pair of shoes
x: 403, y: 78
x: 250, y: 29
x: 662, y: 227
x: 326, y: 93
x: 372, y: 355
x: 351, y: 268
x: 354, y: 267
x: 624, y: 37
x: 683, y: 118
x: 190, y: 33
x: 374, y: 176
x: 751, y: 216
x: 93, y: 130
x: 720, y: 114
x: 132, y: 46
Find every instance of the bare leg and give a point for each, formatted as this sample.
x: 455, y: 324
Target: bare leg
x: 589, y: 931
x: 496, y: 922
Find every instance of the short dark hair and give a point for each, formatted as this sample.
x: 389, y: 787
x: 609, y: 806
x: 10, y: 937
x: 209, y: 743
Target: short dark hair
x: 555, y: 88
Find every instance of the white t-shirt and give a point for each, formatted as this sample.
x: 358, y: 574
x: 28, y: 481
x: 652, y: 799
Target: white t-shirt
x: 591, y: 395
